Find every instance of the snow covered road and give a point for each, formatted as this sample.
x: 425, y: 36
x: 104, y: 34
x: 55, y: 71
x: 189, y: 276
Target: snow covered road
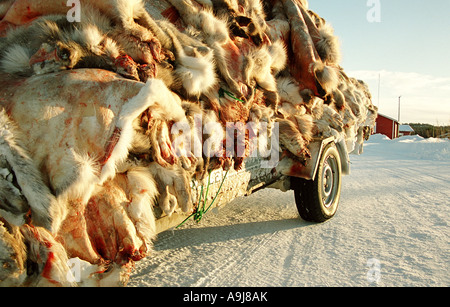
x: 391, y: 228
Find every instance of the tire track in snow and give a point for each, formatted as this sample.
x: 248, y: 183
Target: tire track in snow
x: 158, y: 268
x: 226, y: 247
x: 406, y: 193
x: 260, y: 225
x: 243, y: 259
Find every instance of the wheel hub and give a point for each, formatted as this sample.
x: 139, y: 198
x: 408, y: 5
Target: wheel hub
x: 328, y: 180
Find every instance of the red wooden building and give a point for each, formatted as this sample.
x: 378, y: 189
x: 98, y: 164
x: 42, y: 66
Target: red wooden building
x: 387, y: 126
x: 406, y: 130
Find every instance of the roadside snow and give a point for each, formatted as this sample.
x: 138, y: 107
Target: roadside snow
x: 391, y: 227
x: 409, y: 148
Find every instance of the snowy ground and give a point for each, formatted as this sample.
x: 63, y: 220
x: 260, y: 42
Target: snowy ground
x: 394, y: 208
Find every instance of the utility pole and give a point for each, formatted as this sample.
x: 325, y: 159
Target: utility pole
x: 399, y: 100
x: 379, y: 87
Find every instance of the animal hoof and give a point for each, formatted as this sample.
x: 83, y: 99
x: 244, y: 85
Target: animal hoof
x: 156, y: 49
x: 147, y: 71
x: 127, y: 67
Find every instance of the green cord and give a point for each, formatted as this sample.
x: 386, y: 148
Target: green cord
x: 193, y: 214
x: 222, y: 93
x: 198, y: 215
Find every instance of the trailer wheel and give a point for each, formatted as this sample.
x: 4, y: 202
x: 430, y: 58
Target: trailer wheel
x: 317, y: 200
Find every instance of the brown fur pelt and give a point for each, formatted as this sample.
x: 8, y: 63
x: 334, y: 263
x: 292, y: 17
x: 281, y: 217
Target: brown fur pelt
x: 51, y: 43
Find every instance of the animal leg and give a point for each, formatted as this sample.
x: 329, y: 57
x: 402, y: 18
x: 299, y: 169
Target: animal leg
x: 46, y: 211
x: 168, y: 202
x: 165, y: 144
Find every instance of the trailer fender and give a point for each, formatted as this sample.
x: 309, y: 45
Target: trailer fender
x: 291, y: 168
x: 345, y: 159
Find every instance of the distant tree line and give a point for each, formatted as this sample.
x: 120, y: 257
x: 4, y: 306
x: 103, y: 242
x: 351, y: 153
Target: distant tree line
x: 429, y: 131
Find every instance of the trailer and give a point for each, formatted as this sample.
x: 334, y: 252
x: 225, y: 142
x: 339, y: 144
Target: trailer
x: 317, y: 186
x: 55, y: 115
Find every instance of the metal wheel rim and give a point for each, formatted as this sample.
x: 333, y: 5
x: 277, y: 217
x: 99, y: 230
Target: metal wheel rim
x: 329, y: 181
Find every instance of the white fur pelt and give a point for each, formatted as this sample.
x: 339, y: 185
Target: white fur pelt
x: 212, y: 30
x: 296, y: 133
x: 262, y: 64
x: 197, y: 73
x: 44, y: 206
x: 16, y: 59
x: 327, y: 76
x: 163, y: 104
x: 126, y: 203
x: 195, y: 65
x: 143, y: 193
x: 328, y: 45
x: 289, y: 90
x: 73, y: 137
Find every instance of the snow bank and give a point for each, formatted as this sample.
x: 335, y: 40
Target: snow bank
x: 409, y: 147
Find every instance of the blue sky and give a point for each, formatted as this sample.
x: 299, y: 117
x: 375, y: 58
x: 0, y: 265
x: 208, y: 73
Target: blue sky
x: 409, y: 48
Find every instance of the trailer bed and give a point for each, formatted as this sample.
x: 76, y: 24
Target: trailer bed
x: 226, y: 186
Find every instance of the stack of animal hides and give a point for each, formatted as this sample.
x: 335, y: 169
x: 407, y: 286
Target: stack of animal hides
x: 110, y: 109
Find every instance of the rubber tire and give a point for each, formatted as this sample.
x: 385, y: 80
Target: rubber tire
x: 309, y: 194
